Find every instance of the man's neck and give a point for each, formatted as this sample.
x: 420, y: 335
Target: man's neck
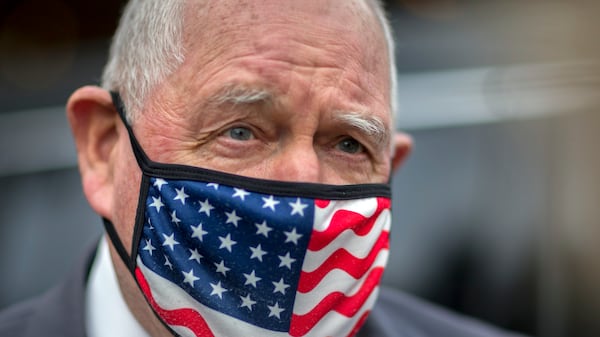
x: 107, y: 314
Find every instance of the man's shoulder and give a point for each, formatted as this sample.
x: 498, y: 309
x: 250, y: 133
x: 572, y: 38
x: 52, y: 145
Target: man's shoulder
x: 17, y: 319
x: 402, y: 315
x: 58, y: 312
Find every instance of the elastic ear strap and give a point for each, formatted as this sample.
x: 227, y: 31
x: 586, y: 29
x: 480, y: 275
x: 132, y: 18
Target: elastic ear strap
x: 140, y: 155
x: 116, y: 241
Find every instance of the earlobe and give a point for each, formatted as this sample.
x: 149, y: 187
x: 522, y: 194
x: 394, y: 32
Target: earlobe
x: 402, y: 146
x: 93, y: 121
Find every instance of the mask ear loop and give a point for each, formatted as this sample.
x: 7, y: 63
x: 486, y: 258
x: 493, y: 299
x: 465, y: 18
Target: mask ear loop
x: 142, y: 160
x: 116, y: 241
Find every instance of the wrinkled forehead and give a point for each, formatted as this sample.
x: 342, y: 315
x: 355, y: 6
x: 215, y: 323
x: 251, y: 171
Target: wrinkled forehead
x: 348, y: 21
x: 325, y: 34
x: 347, y: 13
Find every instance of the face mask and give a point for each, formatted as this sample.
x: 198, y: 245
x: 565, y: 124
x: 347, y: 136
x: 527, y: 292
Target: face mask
x: 217, y: 254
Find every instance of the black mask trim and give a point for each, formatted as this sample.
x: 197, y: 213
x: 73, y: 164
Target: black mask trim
x: 116, y: 240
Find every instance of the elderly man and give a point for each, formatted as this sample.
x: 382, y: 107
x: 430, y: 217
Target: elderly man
x: 239, y: 154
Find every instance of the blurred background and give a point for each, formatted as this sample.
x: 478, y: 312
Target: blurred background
x: 496, y: 212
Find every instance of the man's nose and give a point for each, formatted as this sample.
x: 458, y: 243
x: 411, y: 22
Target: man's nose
x: 299, y: 163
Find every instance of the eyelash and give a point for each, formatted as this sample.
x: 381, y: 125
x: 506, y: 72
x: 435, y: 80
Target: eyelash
x: 231, y: 129
x: 360, y: 147
x: 361, y: 150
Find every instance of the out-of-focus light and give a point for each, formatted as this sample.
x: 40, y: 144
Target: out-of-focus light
x: 432, y: 9
x: 38, y: 41
x: 497, y: 93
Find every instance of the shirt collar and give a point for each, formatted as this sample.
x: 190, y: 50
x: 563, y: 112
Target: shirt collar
x: 107, y: 314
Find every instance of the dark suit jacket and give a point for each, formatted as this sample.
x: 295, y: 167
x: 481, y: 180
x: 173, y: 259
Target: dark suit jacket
x: 60, y: 313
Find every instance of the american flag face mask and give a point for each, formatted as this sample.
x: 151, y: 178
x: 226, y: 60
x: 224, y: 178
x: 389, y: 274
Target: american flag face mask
x: 217, y: 254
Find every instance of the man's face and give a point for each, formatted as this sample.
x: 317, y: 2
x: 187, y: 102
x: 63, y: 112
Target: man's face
x: 276, y: 93
x: 292, y: 91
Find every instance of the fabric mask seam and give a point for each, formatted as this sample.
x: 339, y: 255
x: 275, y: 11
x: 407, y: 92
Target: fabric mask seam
x: 139, y: 220
x: 307, y: 190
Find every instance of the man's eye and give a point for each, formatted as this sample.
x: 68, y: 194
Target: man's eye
x: 240, y: 133
x: 350, y: 145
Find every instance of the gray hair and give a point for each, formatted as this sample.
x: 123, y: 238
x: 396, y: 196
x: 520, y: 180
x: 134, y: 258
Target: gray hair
x: 377, y: 6
x: 148, y: 46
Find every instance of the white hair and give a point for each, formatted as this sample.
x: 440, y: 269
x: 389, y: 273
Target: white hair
x: 380, y: 13
x: 148, y: 46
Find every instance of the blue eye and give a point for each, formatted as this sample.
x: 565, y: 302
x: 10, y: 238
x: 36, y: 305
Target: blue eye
x: 240, y: 133
x: 350, y: 145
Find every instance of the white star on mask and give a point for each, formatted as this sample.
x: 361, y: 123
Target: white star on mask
x: 170, y: 241
x: 181, y: 195
x: 298, y: 207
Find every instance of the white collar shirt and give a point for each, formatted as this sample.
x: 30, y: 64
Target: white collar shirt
x: 106, y: 313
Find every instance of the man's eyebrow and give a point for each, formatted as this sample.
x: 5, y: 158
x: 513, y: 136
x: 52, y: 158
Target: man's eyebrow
x: 235, y: 94
x: 368, y: 124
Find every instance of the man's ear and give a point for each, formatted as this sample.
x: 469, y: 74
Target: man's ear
x: 402, y: 146
x: 93, y: 121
